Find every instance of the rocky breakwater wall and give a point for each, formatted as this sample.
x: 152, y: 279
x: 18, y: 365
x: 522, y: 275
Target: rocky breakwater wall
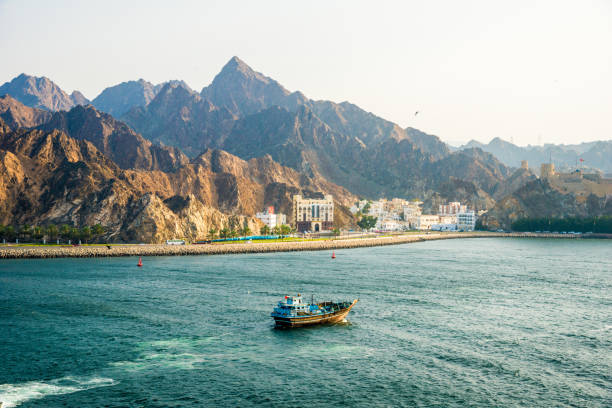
x: 215, y: 249
x: 242, y: 248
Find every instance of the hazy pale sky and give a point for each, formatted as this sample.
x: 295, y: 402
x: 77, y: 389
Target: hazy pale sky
x: 528, y: 71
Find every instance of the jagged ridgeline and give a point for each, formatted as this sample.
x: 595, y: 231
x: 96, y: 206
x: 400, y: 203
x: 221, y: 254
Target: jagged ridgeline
x: 155, y: 161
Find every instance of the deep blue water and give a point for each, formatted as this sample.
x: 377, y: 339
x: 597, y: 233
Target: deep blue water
x: 480, y: 322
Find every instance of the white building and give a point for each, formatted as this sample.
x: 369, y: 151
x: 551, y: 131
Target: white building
x: 466, y: 221
x: 425, y: 221
x: 271, y: 219
x: 388, y: 225
x: 377, y: 208
x: 444, y: 227
x: 452, y: 208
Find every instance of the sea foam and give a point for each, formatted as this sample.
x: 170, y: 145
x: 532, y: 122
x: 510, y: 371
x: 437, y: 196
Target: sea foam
x: 12, y: 395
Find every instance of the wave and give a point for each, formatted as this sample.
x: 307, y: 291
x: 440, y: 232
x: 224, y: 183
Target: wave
x: 12, y: 395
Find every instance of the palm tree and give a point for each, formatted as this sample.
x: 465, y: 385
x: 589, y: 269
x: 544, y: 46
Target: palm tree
x: 9, y: 232
x: 265, y: 230
x: 276, y: 230
x: 51, y: 232
x: 97, y: 230
x: 38, y: 232
x: 284, y: 229
x: 212, y: 233
x: 245, y: 231
x: 25, y: 231
x: 224, y: 233
x: 64, y: 231
x: 74, y: 234
x: 85, y: 233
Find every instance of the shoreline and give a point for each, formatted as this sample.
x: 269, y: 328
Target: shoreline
x: 41, y: 252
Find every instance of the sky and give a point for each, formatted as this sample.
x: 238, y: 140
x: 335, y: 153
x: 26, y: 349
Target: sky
x: 530, y: 72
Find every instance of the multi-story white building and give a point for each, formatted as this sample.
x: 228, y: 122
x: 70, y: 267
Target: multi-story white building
x: 377, y: 208
x: 452, y: 208
x: 271, y: 219
x: 466, y: 221
x: 389, y: 225
x: 444, y: 227
x: 313, y: 214
x: 425, y: 221
x: 412, y: 210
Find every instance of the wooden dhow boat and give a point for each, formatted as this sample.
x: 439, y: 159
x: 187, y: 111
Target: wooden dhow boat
x: 293, y: 312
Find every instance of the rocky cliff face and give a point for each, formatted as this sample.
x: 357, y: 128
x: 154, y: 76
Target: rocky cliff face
x: 16, y: 115
x: 50, y: 177
x: 115, y: 139
x: 41, y: 92
x: 180, y: 117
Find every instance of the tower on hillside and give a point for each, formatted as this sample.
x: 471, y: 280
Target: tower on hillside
x: 524, y: 165
x: 547, y: 170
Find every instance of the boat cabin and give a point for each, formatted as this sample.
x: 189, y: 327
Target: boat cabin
x: 293, y: 305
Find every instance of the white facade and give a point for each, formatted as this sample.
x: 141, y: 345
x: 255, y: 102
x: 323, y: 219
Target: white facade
x: 281, y: 219
x: 389, y: 225
x: 452, y: 208
x: 444, y: 227
x: 270, y: 218
x: 425, y: 221
x: 267, y: 218
x: 466, y: 221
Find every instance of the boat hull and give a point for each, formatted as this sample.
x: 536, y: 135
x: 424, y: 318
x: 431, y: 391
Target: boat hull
x: 301, y: 321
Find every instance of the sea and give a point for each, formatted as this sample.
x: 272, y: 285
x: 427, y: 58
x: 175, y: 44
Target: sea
x: 495, y: 322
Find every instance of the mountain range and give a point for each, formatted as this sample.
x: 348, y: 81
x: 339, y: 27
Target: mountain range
x: 240, y: 143
x: 596, y: 155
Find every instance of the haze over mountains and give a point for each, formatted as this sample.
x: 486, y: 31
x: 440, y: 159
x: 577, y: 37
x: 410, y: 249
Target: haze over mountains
x: 241, y: 143
x: 597, y: 155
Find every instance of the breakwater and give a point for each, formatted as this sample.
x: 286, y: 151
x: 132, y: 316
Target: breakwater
x: 244, y: 248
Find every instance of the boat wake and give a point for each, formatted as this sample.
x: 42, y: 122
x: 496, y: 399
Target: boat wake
x: 12, y: 395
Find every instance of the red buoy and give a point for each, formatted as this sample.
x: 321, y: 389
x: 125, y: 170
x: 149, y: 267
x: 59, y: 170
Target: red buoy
x: 139, y: 261
x: 333, y: 255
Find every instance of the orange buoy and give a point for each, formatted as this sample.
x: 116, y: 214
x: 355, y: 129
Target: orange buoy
x: 139, y: 261
x: 333, y: 255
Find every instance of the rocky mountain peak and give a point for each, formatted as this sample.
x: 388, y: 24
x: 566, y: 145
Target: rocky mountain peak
x: 244, y: 91
x: 78, y: 98
x: 115, y: 139
x: 39, y: 92
x: 118, y: 99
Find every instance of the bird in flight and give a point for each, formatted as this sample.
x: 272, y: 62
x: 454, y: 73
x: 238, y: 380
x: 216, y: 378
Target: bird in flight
x: 416, y: 113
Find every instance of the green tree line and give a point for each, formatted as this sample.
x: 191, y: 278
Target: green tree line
x: 601, y: 224
x: 50, y: 233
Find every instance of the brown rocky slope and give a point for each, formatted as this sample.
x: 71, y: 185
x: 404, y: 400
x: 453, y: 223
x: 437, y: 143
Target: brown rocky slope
x: 50, y: 177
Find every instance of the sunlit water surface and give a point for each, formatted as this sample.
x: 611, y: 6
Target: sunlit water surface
x: 480, y: 322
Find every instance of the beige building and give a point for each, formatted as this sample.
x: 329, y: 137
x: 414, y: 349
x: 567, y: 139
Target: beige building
x: 547, y: 170
x: 313, y: 215
x: 425, y: 221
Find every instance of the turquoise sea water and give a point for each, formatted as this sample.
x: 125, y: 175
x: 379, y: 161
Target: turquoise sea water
x: 479, y: 322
